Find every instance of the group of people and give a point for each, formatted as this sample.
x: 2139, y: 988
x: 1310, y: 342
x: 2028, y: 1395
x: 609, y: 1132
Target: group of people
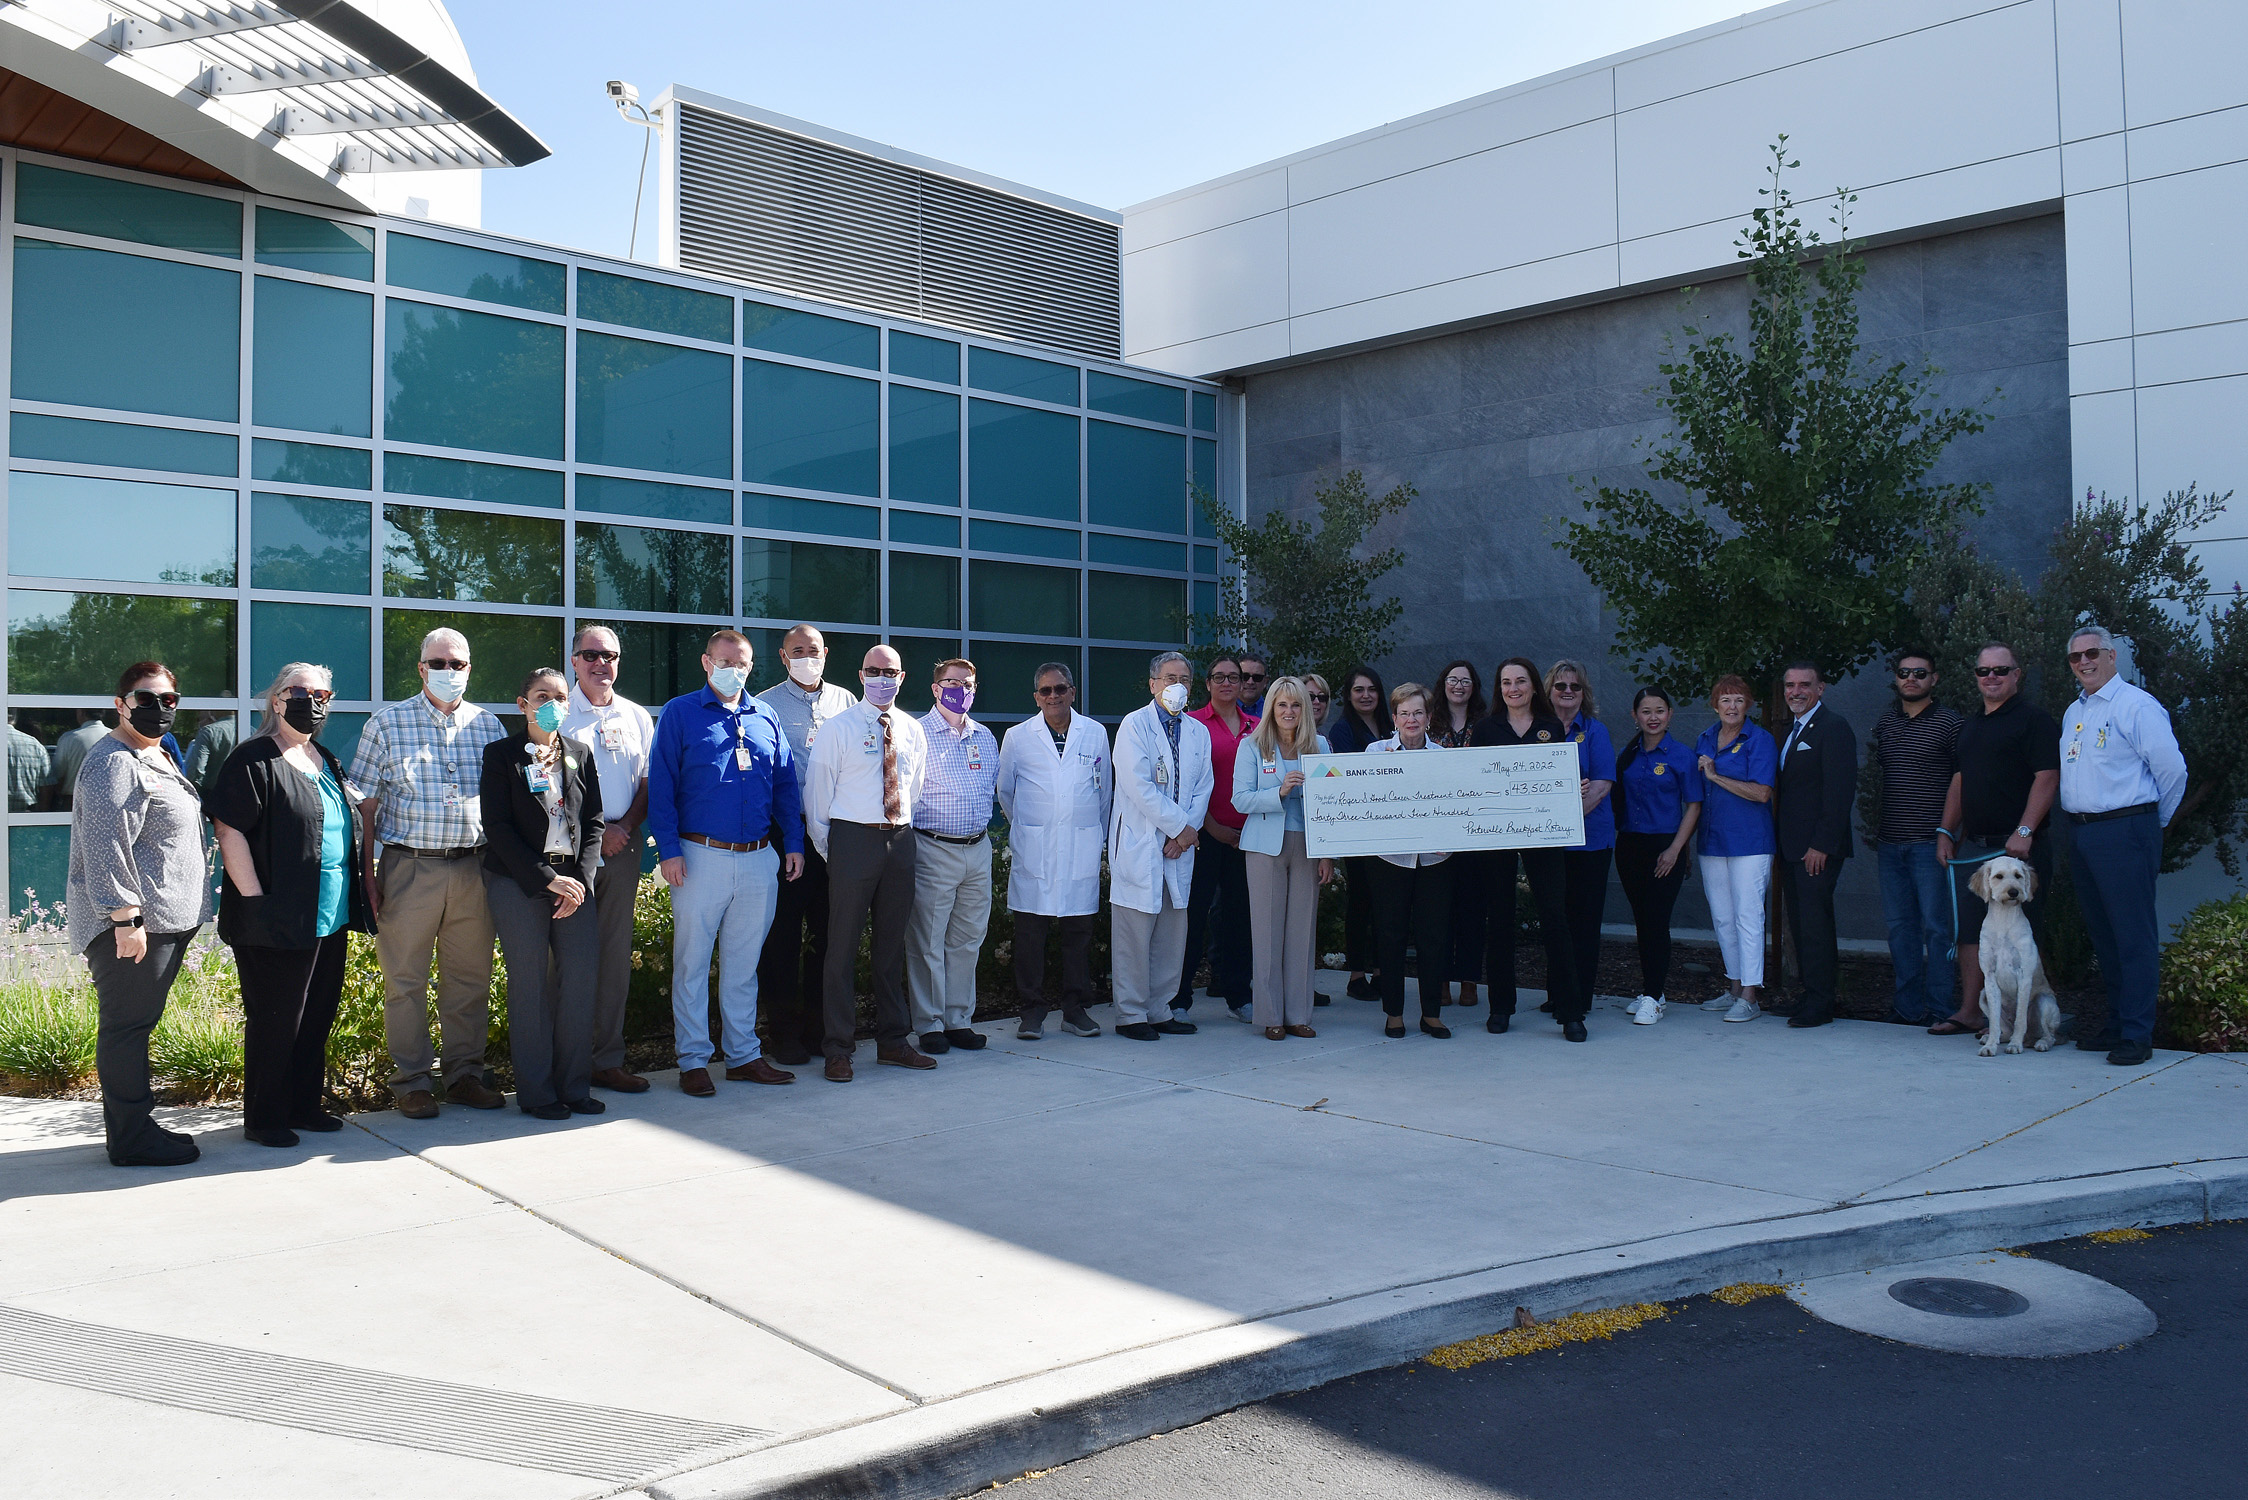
x: 792, y: 824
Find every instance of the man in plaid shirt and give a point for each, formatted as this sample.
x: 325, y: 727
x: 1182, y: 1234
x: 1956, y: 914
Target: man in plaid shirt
x: 952, y: 868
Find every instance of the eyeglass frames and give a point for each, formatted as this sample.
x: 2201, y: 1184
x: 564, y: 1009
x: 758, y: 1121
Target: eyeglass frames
x: 1915, y: 674
x: 445, y: 664
x: 591, y: 655
x: 145, y: 698
x: 1227, y: 677
x: 1995, y: 671
x: 883, y: 671
x: 2093, y: 654
x: 317, y: 695
x: 1054, y: 690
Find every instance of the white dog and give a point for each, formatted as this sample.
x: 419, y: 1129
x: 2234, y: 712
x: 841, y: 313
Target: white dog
x: 2013, y: 978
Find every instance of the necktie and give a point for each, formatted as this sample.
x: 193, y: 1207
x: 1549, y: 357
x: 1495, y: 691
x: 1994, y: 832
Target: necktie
x: 893, y: 804
x: 1171, y: 731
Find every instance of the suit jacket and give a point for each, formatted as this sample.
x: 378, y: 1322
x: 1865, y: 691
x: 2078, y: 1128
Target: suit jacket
x: 1817, y: 788
x: 515, y: 819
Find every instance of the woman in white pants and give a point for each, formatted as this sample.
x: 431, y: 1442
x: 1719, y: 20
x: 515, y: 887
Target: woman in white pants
x: 1268, y: 780
x: 1739, y: 763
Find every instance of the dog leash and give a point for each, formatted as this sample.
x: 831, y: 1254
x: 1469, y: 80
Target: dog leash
x: 1954, y: 864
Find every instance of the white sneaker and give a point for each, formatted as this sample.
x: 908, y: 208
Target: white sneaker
x: 1744, y: 1009
x: 1646, y: 1011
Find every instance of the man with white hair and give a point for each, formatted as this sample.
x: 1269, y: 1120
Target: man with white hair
x: 1163, y: 788
x: 419, y: 763
x: 618, y: 733
x: 2122, y: 779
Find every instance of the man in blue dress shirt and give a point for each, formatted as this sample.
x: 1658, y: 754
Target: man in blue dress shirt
x: 2122, y: 779
x: 721, y: 790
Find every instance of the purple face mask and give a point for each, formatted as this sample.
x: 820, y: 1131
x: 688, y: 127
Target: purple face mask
x: 957, y: 700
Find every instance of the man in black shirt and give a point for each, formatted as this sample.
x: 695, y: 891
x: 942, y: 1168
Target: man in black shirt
x: 1915, y: 741
x: 2009, y: 774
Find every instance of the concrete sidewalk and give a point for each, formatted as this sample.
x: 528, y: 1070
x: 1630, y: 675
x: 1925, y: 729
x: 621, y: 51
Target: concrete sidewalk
x: 921, y: 1282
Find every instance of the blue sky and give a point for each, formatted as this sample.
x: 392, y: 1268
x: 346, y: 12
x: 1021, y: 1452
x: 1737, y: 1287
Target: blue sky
x: 1107, y: 104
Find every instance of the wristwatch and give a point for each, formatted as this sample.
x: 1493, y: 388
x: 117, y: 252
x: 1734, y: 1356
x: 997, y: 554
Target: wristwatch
x: 2026, y: 831
x: 133, y: 921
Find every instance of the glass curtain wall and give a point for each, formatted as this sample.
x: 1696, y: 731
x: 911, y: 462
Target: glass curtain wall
x: 244, y: 432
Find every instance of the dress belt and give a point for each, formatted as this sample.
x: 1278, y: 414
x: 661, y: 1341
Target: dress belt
x: 2113, y: 812
x: 461, y: 853
x: 951, y: 838
x: 708, y: 842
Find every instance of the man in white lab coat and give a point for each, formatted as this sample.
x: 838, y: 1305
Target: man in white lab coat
x: 1163, y: 785
x: 1055, y: 786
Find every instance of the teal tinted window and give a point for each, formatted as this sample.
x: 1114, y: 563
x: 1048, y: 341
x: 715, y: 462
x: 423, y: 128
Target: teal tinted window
x: 808, y: 581
x: 654, y: 406
x: 924, y: 591
x: 472, y: 380
x: 1006, y: 671
x: 654, y: 571
x: 784, y: 330
x: 96, y: 328
x: 1205, y: 411
x: 1143, y: 399
x: 665, y: 502
x: 919, y: 358
x: 1022, y: 461
x: 469, y: 556
x: 315, y: 358
x: 810, y: 430
x: 662, y: 661
x: 479, y: 275
x: 305, y: 243
x: 67, y: 526
x: 924, y: 530
x: 118, y: 210
x: 845, y: 650
x: 1135, y: 607
x: 337, y: 636
x: 1205, y: 559
x: 119, y: 445
x: 74, y: 643
x: 920, y: 654
x: 924, y: 446
x: 1117, y: 682
x: 1135, y: 478
x: 38, y: 866
x: 464, y: 479
x: 1019, y: 599
x: 1205, y: 481
x: 503, y: 649
x: 822, y: 517
x: 1013, y: 375
x: 312, y: 463
x: 1205, y: 605
x: 654, y: 306
x: 309, y: 545
x: 1137, y: 552
x: 1031, y: 541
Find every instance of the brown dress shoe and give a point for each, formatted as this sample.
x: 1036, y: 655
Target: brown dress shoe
x: 838, y: 1070
x: 418, y: 1104
x: 757, y: 1070
x: 471, y: 1092
x: 696, y: 1081
x: 1276, y: 1033
x: 620, y: 1081
x: 903, y: 1055
x: 1301, y: 1031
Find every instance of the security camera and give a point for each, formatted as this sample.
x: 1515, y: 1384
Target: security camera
x: 622, y: 93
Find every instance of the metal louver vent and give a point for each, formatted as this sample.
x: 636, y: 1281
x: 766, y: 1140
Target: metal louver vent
x: 799, y: 215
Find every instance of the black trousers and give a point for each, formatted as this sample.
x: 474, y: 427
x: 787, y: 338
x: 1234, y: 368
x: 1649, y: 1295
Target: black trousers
x: 1810, y: 918
x: 869, y: 870
x: 1415, y: 904
x: 550, y: 1011
x: 1652, y: 899
x: 1549, y: 889
x: 1220, y: 890
x: 131, y: 998
x: 289, y: 999
x: 1358, y: 912
x: 1471, y: 910
x: 790, y: 970
x: 1030, y: 965
x: 1585, y: 896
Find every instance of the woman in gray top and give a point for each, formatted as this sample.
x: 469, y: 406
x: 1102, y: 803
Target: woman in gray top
x: 137, y: 894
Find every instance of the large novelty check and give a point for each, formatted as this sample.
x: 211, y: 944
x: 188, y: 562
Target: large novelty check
x: 1443, y: 801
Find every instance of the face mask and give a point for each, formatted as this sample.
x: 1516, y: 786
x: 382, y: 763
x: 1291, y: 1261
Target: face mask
x: 880, y: 690
x: 548, y: 716
x: 957, y: 700
x: 152, y: 722
x: 1173, y: 697
x: 304, y: 715
x: 447, y: 685
x: 728, y: 681
x: 805, y: 670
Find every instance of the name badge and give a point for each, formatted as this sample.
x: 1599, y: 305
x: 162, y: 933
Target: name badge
x: 612, y: 738
x: 741, y: 757
x: 1271, y: 769
x: 975, y: 756
x: 452, y: 796
x: 2073, y: 748
x: 1162, y: 771
x: 538, y: 779
x: 1579, y: 736
x: 810, y: 735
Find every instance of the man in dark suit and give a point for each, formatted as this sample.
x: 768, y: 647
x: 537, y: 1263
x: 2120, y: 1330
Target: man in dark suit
x: 1818, y: 783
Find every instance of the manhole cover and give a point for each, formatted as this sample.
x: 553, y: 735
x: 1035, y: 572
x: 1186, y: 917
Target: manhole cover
x: 1953, y: 1297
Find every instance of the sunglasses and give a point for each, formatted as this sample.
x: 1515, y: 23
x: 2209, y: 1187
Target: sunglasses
x: 599, y: 655
x: 1994, y: 671
x: 1053, y: 692
x: 317, y: 695
x: 1319, y: 697
x: 143, y: 698
x: 1252, y: 676
x: 2091, y: 655
x: 442, y: 664
x: 1916, y: 674
x: 1567, y: 687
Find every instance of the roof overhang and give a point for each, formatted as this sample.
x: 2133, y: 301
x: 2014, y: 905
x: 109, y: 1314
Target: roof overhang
x: 300, y: 98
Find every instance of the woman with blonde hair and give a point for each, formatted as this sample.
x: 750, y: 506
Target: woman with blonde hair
x: 1284, y: 883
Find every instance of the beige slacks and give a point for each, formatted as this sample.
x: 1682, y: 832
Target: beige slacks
x: 1284, y: 930
x: 434, y: 904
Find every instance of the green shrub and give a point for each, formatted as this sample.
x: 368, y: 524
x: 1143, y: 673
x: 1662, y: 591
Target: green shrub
x: 196, y: 1049
x: 2205, y: 979
x: 47, y: 1035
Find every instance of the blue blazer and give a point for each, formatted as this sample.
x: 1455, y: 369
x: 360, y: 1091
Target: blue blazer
x: 1256, y: 796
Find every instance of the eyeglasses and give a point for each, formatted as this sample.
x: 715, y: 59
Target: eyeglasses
x: 317, y: 695
x: 442, y: 664
x: 1566, y: 687
x: 1994, y: 671
x: 2091, y: 655
x: 143, y: 698
x: 958, y: 682
x: 1466, y: 682
x: 1252, y: 676
x: 598, y: 655
x: 1915, y: 673
x: 1218, y: 677
x: 1057, y: 690
x: 882, y: 671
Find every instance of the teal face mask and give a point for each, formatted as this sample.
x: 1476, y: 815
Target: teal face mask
x: 549, y: 716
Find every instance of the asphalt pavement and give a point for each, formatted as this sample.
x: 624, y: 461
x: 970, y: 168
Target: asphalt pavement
x: 1757, y: 1400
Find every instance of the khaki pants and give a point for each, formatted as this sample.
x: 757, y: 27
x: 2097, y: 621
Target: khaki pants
x: 614, y: 888
x: 1145, y: 950
x: 1283, y: 920
x: 951, y: 911
x: 434, y: 904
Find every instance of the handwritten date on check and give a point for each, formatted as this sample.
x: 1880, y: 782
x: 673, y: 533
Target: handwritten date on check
x: 1439, y: 801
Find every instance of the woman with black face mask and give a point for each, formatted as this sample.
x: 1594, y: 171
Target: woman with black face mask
x: 288, y: 833
x: 136, y: 897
